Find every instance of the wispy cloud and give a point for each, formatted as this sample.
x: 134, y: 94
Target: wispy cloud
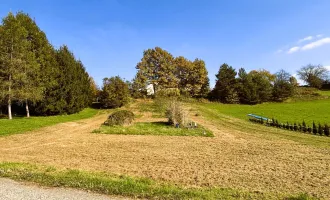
x: 319, y: 35
x: 305, y: 39
x: 309, y: 46
x: 293, y: 49
x: 316, y: 44
x: 279, y: 51
x: 328, y: 67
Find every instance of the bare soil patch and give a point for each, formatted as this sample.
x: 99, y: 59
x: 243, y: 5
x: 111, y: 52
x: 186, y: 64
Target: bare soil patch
x: 230, y: 159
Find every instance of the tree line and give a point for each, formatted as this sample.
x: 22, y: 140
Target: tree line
x: 178, y: 76
x: 260, y: 86
x: 33, y: 73
x: 49, y: 81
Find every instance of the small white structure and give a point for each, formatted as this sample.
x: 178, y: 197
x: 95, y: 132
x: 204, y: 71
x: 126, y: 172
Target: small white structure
x: 150, y: 89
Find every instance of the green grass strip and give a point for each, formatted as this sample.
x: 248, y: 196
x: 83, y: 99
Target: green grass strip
x: 154, y: 128
x: 111, y: 184
x: 21, y: 125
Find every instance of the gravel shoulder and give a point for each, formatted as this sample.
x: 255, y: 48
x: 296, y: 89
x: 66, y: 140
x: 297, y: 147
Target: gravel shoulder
x: 12, y: 190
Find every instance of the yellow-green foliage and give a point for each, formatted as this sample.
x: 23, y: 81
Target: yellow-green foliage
x: 121, y: 117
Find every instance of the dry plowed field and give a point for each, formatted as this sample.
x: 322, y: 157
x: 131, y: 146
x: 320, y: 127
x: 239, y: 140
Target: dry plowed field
x: 230, y: 159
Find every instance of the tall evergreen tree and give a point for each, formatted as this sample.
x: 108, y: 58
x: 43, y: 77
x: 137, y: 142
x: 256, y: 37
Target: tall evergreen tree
x: 14, y: 48
x: 246, y: 90
x: 225, y: 84
x: 33, y: 87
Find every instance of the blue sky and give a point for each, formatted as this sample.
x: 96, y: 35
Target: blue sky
x: 109, y: 36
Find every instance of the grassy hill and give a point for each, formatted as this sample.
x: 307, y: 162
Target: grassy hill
x: 292, y: 111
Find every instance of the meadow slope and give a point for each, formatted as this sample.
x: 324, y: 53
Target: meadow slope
x: 242, y: 155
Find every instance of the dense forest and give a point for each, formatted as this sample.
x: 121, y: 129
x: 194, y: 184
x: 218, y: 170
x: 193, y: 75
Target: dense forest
x: 35, y: 75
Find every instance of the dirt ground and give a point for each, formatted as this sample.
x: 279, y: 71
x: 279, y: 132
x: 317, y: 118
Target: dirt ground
x: 227, y: 160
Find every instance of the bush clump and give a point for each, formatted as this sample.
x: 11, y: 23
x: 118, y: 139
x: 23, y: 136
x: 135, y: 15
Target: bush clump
x: 120, y: 118
x: 176, y: 114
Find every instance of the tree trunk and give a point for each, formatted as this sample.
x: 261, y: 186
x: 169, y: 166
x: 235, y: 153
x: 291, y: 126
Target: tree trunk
x: 27, y: 108
x: 9, y: 100
x: 9, y: 110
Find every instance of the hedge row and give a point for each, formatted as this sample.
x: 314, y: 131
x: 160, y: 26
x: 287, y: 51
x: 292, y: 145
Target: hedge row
x: 299, y: 127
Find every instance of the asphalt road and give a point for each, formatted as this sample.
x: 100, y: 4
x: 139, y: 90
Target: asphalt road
x: 12, y: 190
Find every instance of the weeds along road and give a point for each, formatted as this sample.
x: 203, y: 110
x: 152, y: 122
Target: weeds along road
x: 231, y: 159
x: 12, y: 190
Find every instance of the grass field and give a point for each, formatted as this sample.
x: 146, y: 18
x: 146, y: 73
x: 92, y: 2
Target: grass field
x: 317, y: 110
x: 154, y: 128
x: 242, y: 161
x: 125, y: 185
x: 21, y: 125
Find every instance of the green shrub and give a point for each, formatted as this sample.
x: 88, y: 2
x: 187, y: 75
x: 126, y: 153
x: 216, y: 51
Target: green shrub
x: 295, y: 127
x: 309, y: 129
x: 120, y: 118
x: 299, y: 127
x: 320, y: 130
x: 161, y: 104
x: 168, y: 92
x: 273, y: 122
x: 314, y: 128
x: 290, y: 127
x: 304, y: 128
x: 3, y: 116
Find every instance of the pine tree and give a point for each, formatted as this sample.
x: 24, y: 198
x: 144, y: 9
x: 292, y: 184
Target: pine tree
x: 295, y: 127
x: 299, y: 127
x: 309, y: 129
x: 326, y: 130
x: 225, y: 86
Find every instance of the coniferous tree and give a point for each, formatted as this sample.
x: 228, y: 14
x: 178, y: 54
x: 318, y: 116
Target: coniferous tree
x: 14, y: 47
x: 33, y: 87
x: 225, y: 87
x: 295, y: 127
x: 32, y: 71
x: 299, y: 127
x: 320, y: 129
x: 304, y: 127
x: 326, y: 130
x: 309, y: 129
